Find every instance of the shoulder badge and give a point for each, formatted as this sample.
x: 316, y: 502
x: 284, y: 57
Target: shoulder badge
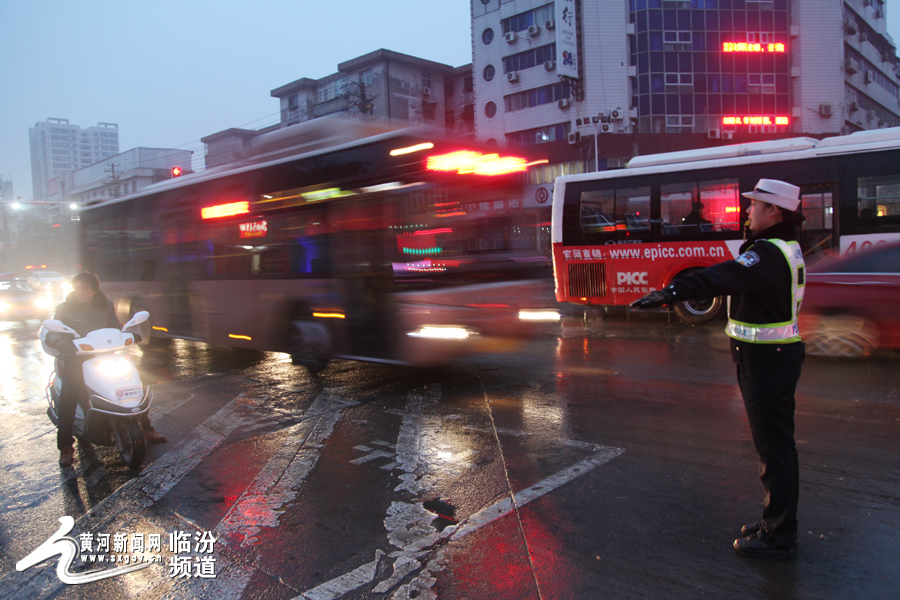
x: 748, y: 259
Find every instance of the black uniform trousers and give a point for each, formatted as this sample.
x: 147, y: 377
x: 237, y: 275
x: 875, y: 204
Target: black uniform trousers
x: 768, y: 375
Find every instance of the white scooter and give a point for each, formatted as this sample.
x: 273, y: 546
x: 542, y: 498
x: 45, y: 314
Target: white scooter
x: 116, y: 399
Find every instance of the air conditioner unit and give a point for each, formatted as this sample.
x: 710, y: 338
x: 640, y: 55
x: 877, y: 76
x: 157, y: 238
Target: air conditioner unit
x: 851, y: 65
x: 853, y: 107
x: 426, y: 91
x: 551, y: 24
x: 714, y: 133
x: 825, y: 110
x: 550, y: 65
x: 574, y: 137
x: 870, y: 115
x: 578, y: 122
x: 606, y: 128
x: 863, y: 36
x: 727, y: 135
x: 850, y: 25
x: 534, y: 30
x: 869, y: 77
x: 563, y: 103
x: 616, y: 114
x: 510, y: 37
x: 512, y: 76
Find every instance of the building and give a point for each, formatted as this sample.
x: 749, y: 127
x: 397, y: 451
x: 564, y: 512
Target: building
x: 710, y: 70
x: 58, y: 146
x: 125, y: 173
x: 382, y: 86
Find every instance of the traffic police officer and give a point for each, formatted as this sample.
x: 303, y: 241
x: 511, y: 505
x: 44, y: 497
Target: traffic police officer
x: 765, y: 284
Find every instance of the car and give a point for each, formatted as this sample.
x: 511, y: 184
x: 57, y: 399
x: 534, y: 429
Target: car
x: 851, y: 305
x: 50, y: 281
x: 19, y: 301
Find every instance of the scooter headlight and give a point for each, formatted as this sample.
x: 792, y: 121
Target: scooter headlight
x: 113, y: 367
x: 4, y: 307
x: 42, y: 303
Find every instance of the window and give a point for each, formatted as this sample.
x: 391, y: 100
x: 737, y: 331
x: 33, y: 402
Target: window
x: 540, y: 135
x: 677, y: 40
x: 489, y: 72
x: 679, y: 79
x: 426, y: 80
x: 366, y: 77
x: 707, y: 207
x: 529, y: 58
x: 680, y: 124
x: 523, y: 21
x: 536, y: 97
x: 490, y: 109
x: 763, y: 83
x: 622, y: 213
x: 878, y: 197
x: 468, y: 85
x: 487, y: 36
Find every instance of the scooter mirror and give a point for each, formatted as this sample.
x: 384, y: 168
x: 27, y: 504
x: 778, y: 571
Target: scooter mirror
x: 58, y: 327
x: 138, y: 318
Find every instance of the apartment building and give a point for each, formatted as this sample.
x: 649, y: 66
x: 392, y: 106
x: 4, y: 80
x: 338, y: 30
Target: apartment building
x: 58, y: 146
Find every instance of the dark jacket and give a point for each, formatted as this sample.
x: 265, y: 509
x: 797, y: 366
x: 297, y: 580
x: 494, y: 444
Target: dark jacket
x: 99, y: 314
x: 758, y: 281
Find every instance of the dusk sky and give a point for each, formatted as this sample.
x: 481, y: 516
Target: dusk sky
x: 170, y: 73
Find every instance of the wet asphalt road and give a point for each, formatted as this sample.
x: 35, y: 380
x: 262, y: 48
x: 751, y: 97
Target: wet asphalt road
x: 607, y: 464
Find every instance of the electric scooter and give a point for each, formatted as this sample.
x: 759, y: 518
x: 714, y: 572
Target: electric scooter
x: 116, y: 399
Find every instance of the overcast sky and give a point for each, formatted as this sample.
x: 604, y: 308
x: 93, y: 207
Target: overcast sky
x: 170, y: 73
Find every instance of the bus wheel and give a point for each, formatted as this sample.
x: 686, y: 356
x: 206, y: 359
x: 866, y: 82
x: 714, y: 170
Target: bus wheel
x: 697, y: 312
x: 842, y: 336
x: 310, y: 344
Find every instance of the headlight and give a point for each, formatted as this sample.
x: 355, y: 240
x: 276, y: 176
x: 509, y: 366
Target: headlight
x: 441, y: 332
x: 67, y: 287
x: 42, y: 303
x: 539, y: 315
x: 114, y: 367
x: 4, y: 307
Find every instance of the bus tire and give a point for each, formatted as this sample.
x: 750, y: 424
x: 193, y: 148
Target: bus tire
x: 698, y: 312
x: 309, y: 343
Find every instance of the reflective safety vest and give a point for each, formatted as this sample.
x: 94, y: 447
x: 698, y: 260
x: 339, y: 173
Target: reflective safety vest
x: 776, y: 333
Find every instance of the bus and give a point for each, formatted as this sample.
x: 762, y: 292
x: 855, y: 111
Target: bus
x: 332, y: 238
x: 619, y: 234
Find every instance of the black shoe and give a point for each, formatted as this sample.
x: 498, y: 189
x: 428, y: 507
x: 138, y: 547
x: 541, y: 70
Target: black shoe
x: 751, y: 528
x: 759, y: 545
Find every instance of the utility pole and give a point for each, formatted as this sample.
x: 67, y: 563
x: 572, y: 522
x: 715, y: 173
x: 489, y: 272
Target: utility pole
x: 112, y: 170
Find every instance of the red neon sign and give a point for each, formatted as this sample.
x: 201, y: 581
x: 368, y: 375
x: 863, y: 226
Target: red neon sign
x: 225, y: 210
x: 751, y: 47
x: 468, y: 162
x: 254, y: 229
x: 754, y: 120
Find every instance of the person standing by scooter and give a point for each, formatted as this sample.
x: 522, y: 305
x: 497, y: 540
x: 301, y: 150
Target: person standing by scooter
x: 765, y: 284
x: 85, y: 309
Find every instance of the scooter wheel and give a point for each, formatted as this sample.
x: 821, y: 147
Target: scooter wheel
x: 130, y: 442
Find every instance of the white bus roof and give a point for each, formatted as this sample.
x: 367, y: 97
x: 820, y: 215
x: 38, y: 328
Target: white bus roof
x: 752, y: 152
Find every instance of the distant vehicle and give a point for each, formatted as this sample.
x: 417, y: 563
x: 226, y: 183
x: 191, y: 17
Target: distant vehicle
x: 19, y: 301
x: 50, y: 281
x: 852, y: 305
x: 621, y: 233
x: 7, y: 275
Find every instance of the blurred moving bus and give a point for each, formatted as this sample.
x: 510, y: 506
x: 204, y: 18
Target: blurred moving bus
x: 334, y: 238
x: 617, y: 235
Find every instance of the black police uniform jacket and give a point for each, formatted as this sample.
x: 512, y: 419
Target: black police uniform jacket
x: 83, y: 318
x: 759, y: 281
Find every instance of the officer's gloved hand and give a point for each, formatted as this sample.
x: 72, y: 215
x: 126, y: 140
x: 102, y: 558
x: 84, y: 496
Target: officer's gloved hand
x: 653, y: 299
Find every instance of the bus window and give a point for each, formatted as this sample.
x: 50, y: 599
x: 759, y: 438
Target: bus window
x: 679, y: 209
x: 598, y: 212
x: 616, y: 214
x: 879, y: 197
x: 720, y: 205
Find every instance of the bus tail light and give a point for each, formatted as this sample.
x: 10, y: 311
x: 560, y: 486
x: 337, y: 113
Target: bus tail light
x: 468, y: 162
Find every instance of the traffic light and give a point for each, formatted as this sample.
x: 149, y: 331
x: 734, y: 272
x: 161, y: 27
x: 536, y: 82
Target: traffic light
x: 176, y: 171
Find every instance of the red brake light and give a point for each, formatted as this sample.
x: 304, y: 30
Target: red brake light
x: 467, y: 162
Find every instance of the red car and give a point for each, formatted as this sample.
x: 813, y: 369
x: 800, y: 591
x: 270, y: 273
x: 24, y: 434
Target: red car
x: 852, y: 305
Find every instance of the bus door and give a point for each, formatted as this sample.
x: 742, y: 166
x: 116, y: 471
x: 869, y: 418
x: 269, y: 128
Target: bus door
x: 180, y: 269
x: 616, y: 222
x: 361, y: 261
x: 818, y: 234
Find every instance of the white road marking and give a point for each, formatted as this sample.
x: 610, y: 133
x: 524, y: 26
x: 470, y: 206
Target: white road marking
x: 372, y: 456
x: 348, y: 582
x: 280, y: 480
